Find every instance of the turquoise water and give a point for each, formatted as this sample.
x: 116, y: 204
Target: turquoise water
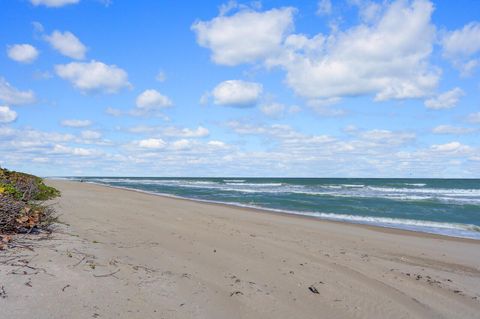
x: 442, y: 206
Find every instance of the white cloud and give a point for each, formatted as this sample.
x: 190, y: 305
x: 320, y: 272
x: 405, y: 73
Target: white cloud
x: 13, y: 96
x: 53, y: 3
x: 76, y: 151
x: 462, y: 45
x: 273, y: 109
x: 388, y: 137
x: 387, y: 58
x: 151, y: 143
x: 38, y: 27
x: 186, y: 132
x: 182, y: 144
x: 28, y: 138
x: 161, y: 76
x: 369, y: 11
x: 237, y: 93
x: 23, y: 53
x: 278, y: 110
x: 474, y: 118
x: 323, y: 107
x: 90, y: 135
x: 204, y: 98
x: 93, y: 76
x: 217, y: 144
x: 42, y: 75
x: 67, y: 44
x: 7, y: 115
x: 452, y: 147
x: 76, y: 123
x: 445, y: 100
x: 113, y: 111
x: 449, y: 129
x: 324, y: 7
x: 152, y: 99
x: 245, y: 36
x: 463, y: 42
x: 227, y: 7
x: 171, y: 131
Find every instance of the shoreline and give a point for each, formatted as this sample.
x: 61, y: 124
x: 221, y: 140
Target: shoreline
x: 121, y: 253
x: 380, y: 228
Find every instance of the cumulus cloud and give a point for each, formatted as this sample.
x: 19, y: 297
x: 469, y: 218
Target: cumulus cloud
x: 452, y: 147
x: 23, y: 53
x: 462, y: 47
x: 182, y: 144
x: 387, y: 56
x: 93, y: 76
x: 67, y: 44
x: 368, y: 10
x: 151, y: 143
x: 449, y: 129
x: 273, y: 109
x: 90, y: 135
x: 217, y: 144
x: 12, y: 96
x: 76, y: 123
x: 53, y: 3
x: 324, y: 107
x: 7, y: 115
x: 26, y: 140
x: 152, y: 100
x: 76, y: 151
x: 245, y: 36
x: 237, y: 93
x: 171, y: 131
x: 278, y: 110
x: 186, y: 132
x: 445, y: 100
x: 388, y: 137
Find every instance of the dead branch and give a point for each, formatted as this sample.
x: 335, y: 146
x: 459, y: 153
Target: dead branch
x: 107, y: 275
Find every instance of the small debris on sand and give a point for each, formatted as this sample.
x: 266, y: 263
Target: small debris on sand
x: 313, y: 289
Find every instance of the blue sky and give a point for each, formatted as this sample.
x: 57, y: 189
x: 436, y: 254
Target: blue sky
x: 351, y: 88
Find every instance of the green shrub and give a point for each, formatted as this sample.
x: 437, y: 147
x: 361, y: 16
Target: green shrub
x: 8, y: 189
x: 45, y: 192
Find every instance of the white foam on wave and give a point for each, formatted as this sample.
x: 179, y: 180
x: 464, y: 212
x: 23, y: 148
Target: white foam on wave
x: 415, y: 184
x: 256, y: 184
x: 448, y: 196
x: 447, y: 229
x: 352, y: 185
x: 439, y: 191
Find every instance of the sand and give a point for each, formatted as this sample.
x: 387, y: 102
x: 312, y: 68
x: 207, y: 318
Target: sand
x: 125, y: 254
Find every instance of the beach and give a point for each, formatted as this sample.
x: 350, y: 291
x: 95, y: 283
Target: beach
x: 127, y: 254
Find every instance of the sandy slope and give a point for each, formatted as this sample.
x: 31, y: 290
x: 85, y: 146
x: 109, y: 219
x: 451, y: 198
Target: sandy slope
x: 181, y: 259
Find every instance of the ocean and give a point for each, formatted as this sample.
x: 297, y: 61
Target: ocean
x: 441, y: 206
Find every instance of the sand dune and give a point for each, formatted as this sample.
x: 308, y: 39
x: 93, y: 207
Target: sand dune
x: 126, y: 254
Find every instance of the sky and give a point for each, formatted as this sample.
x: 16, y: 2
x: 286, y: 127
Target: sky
x: 351, y: 88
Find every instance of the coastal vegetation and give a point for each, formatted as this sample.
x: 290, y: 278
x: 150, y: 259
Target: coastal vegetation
x: 22, y: 207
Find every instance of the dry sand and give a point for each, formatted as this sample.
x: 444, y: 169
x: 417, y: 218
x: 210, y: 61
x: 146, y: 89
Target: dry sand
x: 126, y: 254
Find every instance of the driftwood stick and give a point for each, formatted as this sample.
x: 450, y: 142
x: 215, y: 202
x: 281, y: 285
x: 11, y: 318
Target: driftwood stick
x: 107, y: 275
